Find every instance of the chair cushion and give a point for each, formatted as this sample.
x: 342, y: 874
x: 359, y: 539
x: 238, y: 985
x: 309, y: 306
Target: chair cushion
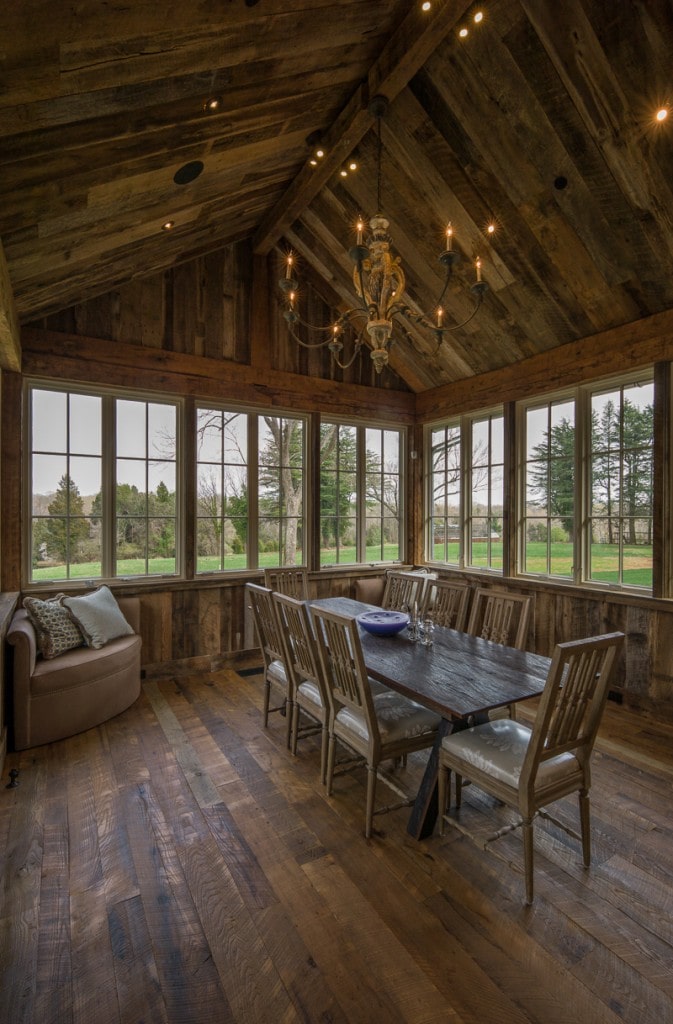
x: 310, y: 692
x: 498, y: 749
x: 399, y: 718
x: 276, y: 673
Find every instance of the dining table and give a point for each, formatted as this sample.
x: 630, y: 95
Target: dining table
x: 459, y: 676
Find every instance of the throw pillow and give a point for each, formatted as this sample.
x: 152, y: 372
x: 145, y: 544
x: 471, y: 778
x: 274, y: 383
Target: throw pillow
x: 98, y: 616
x: 56, y: 631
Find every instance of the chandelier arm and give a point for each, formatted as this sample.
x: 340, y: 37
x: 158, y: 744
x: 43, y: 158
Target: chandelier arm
x: 424, y: 320
x: 308, y: 344
x: 349, y: 362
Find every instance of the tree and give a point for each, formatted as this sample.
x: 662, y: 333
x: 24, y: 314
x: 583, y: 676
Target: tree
x: 67, y: 526
x: 338, y: 455
x: 553, y: 474
x: 281, y: 480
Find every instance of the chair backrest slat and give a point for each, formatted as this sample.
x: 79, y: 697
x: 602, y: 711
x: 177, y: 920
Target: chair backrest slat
x: 573, y: 700
x: 266, y: 623
x: 404, y: 588
x: 300, y: 642
x: 500, y: 616
x: 293, y: 582
x: 447, y: 602
x: 342, y: 661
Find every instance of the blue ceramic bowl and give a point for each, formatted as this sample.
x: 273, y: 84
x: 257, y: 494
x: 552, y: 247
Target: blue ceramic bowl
x: 383, y: 623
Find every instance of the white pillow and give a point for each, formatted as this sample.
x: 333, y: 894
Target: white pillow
x: 98, y: 616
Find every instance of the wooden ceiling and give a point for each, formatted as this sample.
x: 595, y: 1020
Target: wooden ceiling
x: 541, y: 121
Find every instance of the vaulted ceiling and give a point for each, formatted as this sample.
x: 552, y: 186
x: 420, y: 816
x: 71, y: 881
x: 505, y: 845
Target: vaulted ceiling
x: 539, y: 121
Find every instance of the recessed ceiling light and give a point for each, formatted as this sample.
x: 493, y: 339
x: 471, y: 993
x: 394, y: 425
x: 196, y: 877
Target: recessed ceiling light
x: 212, y: 104
x: 426, y: 6
x: 479, y: 16
x: 167, y: 225
x: 662, y: 114
x: 352, y: 166
x: 188, y: 172
x: 463, y: 33
x: 560, y: 183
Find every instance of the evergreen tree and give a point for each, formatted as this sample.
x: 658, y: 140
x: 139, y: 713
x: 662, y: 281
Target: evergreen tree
x: 66, y: 526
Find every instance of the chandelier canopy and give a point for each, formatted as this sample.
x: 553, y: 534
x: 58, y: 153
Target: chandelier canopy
x: 380, y: 283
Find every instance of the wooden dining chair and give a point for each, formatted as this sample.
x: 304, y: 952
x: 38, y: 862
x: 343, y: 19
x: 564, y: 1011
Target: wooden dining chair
x: 403, y: 588
x: 293, y: 582
x: 446, y: 602
x: 501, y: 617
x: 309, y: 696
x: 375, y: 725
x: 527, y: 768
x: 274, y: 653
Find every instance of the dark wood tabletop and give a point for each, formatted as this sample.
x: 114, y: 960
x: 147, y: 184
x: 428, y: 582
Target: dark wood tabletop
x: 459, y: 676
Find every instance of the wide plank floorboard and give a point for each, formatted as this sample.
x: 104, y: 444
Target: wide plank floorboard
x: 177, y: 865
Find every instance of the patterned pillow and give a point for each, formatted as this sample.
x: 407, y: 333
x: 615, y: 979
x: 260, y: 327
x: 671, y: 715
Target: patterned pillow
x: 56, y: 632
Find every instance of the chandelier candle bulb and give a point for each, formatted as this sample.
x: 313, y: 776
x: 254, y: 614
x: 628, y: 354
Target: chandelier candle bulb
x: 478, y: 265
x: 449, y: 238
x: 288, y: 269
x: 360, y: 228
x: 440, y: 314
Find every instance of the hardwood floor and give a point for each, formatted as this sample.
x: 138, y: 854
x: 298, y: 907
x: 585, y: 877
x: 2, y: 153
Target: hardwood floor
x: 178, y: 865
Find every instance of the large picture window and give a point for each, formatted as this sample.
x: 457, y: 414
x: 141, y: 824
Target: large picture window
x: 360, y: 494
x: 549, y: 489
x: 250, y: 490
x: 464, y: 489
x: 619, y: 541
x: 103, y: 486
x: 486, y: 474
x: 444, y: 494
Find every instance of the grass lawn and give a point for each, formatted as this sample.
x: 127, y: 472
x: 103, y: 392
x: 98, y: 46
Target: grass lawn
x: 604, y: 561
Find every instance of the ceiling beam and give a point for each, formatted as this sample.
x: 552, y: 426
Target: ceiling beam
x: 10, y: 343
x: 403, y: 56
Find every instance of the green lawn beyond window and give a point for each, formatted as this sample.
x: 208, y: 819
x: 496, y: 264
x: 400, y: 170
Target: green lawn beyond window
x: 637, y: 560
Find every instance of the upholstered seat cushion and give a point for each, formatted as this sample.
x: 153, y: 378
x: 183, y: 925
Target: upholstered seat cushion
x: 77, y: 668
x: 398, y: 717
x: 310, y: 691
x: 499, y: 747
x: 276, y: 672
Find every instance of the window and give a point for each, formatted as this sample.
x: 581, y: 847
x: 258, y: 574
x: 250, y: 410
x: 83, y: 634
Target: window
x: 360, y: 494
x: 465, y: 491
x: 103, y: 486
x: 619, y: 540
x: 221, y: 490
x: 250, y: 490
x: 280, y: 460
x: 549, y: 489
x: 486, y: 472
x: 445, y: 494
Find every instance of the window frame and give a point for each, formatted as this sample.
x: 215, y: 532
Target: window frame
x: 465, y: 424
x: 582, y: 395
x: 109, y: 398
x: 361, y: 517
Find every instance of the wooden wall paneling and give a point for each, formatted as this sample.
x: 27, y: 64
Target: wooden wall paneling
x: 636, y: 344
x: 218, y: 312
x: 156, y: 625
x: 68, y: 357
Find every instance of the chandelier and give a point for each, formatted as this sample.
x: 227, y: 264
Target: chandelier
x: 379, y: 282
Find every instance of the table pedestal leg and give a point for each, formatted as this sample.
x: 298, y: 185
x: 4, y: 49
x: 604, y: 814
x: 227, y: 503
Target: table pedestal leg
x: 424, y: 812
